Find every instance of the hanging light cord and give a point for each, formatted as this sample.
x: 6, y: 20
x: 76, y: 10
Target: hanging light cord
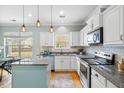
x: 38, y: 12
x: 51, y: 14
x: 23, y: 14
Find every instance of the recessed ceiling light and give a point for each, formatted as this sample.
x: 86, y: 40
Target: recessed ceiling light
x: 61, y: 12
x: 30, y: 15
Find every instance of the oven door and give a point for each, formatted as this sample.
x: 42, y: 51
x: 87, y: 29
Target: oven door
x: 84, y: 74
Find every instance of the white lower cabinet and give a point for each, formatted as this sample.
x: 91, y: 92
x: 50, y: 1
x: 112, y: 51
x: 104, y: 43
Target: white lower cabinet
x: 62, y: 63
x: 74, y: 64
x: 67, y: 63
x: 95, y: 83
x: 98, y: 81
x: 78, y: 65
x: 110, y: 85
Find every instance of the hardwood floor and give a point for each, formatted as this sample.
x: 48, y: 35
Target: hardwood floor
x: 6, y: 81
x: 74, y: 76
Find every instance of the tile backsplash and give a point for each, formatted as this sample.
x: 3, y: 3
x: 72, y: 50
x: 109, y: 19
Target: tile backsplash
x: 117, y: 50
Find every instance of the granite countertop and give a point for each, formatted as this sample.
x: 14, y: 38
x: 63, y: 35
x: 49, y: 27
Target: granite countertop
x: 68, y: 54
x: 38, y: 63
x: 111, y: 73
x: 85, y: 56
x: 59, y: 54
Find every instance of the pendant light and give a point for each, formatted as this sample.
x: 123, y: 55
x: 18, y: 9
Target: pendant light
x: 23, y: 29
x: 51, y: 29
x: 38, y: 23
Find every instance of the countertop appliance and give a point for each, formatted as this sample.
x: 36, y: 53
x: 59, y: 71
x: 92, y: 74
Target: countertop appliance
x: 95, y: 37
x: 100, y: 58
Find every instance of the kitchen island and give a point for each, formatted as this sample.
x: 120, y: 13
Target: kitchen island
x: 30, y: 74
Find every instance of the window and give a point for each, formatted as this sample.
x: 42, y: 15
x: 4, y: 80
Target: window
x: 18, y: 46
x: 62, y: 41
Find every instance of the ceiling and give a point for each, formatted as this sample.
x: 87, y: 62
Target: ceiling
x: 74, y: 14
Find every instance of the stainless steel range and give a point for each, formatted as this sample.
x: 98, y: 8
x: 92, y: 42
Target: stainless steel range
x: 100, y: 58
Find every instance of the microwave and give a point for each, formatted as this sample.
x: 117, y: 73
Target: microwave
x: 96, y: 36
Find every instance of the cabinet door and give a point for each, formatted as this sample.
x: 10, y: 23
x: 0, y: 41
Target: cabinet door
x: 113, y: 25
x: 66, y: 63
x: 90, y: 23
x: 42, y: 41
x: 81, y: 38
x: 95, y: 83
x: 50, y: 39
x: 75, y: 39
x: 78, y: 65
x: 58, y: 63
x: 110, y: 85
x: 97, y: 20
x: 86, y: 30
x: 46, y: 39
x: 73, y: 63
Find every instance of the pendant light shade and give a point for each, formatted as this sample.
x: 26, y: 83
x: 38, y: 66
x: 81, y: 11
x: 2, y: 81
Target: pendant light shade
x: 51, y: 26
x: 38, y: 23
x: 23, y: 28
x: 51, y: 29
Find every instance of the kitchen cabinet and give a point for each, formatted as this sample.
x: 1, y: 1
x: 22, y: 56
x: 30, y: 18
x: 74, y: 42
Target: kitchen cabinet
x: 62, y: 63
x: 110, y: 85
x: 46, y: 39
x: 90, y: 23
x: 78, y: 65
x: 97, y: 20
x: 113, y: 25
x: 74, y: 64
x: 98, y: 81
x: 95, y: 83
x: 75, y: 38
x: 30, y: 76
x: 83, y: 36
x: 50, y: 59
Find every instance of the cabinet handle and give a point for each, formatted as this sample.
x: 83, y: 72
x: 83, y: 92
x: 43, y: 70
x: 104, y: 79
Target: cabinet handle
x: 96, y: 75
x: 121, y: 37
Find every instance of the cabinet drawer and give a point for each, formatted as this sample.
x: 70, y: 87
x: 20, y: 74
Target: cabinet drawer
x: 99, y: 77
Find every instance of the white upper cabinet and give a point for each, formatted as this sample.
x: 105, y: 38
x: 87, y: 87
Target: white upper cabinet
x: 83, y: 36
x: 75, y: 39
x: 97, y: 20
x: 90, y: 23
x: 46, y: 39
x: 113, y: 25
x: 86, y: 30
